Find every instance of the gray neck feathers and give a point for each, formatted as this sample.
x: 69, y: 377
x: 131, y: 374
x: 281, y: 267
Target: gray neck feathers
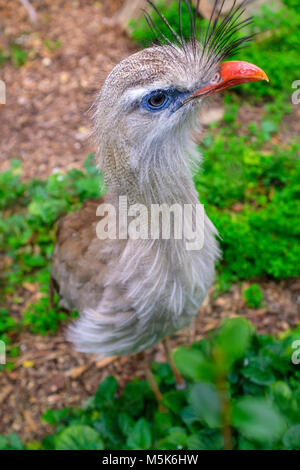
x: 155, y: 172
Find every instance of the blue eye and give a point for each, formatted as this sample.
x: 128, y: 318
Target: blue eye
x: 157, y: 100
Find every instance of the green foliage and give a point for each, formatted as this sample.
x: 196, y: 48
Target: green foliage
x: 11, y: 442
x: 27, y: 232
x: 253, y: 296
x: 15, y: 54
x: 11, y: 188
x: 275, y: 50
x: 263, y: 235
x: 18, y: 55
x: 52, y: 45
x: 7, y: 323
x: 257, y: 420
x: 246, y: 383
x: 141, y: 33
x: 79, y: 437
x: 42, y: 319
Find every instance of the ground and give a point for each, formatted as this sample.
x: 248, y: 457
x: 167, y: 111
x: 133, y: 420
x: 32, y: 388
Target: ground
x: 46, y: 121
x: 46, y: 124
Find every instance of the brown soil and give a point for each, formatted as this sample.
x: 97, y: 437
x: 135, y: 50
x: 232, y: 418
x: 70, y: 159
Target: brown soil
x: 45, y: 122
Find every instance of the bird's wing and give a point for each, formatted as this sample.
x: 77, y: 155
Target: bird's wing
x: 80, y: 271
x: 78, y: 267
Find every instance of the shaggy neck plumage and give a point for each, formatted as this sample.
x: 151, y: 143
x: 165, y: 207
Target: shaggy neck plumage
x: 156, y: 171
x: 161, y: 283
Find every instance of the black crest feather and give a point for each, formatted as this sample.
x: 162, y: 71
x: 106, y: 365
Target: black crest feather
x: 219, y: 39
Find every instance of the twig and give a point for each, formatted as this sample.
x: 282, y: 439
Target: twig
x: 225, y: 412
x: 225, y: 407
x: 30, y: 10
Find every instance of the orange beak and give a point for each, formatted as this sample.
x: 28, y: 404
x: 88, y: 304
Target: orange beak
x: 232, y: 73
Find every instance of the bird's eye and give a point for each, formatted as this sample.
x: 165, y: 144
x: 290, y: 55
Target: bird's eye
x: 157, y: 100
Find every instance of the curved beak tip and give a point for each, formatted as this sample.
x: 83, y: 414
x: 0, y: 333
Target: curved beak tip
x: 234, y: 73
x: 266, y: 77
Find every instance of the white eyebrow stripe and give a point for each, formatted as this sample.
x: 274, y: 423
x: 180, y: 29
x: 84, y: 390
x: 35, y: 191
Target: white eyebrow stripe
x: 137, y: 93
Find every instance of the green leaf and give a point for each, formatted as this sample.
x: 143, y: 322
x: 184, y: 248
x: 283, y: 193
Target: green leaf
x: 177, y: 436
x: 233, y: 339
x: 140, y: 437
x: 189, y: 416
x: 135, y: 396
x: 204, y: 400
x: 126, y: 423
x: 194, y: 442
x: 55, y: 416
x: 174, y: 400
x: 194, y: 365
x: 291, y: 438
x: 281, y: 392
x: 205, y: 440
x: 257, y: 419
x: 258, y: 371
x: 79, y: 437
x: 162, y: 422
x: 11, y: 442
x: 105, y: 395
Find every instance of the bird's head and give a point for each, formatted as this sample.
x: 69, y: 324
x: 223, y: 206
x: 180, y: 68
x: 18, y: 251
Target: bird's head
x: 152, y: 97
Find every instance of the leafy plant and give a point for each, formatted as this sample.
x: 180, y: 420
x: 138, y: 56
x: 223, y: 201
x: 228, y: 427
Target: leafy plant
x: 253, y: 198
x: 7, y: 323
x: 27, y: 234
x: 253, y: 296
x: 11, y: 442
x: 242, y: 393
x: 19, y: 56
x: 52, y: 45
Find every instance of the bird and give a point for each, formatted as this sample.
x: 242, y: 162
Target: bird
x: 133, y: 292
